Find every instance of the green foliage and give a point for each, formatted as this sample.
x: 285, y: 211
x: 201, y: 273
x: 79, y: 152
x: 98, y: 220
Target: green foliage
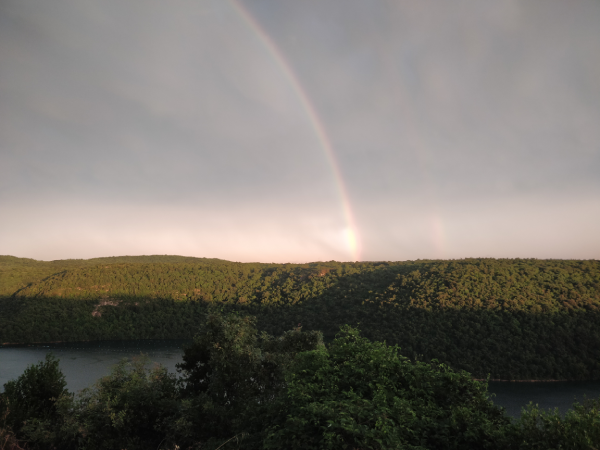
x: 542, y: 430
x: 241, y: 389
x: 513, y: 319
x: 32, y: 397
x: 18, y: 273
x: 131, y: 408
x: 511, y: 285
x: 230, y: 374
x: 360, y: 394
x: 225, y: 349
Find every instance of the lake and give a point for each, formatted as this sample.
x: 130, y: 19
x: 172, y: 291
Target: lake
x: 85, y: 362
x: 548, y: 395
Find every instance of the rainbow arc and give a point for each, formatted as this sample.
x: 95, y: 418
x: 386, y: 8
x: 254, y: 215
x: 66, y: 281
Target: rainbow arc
x: 351, y: 234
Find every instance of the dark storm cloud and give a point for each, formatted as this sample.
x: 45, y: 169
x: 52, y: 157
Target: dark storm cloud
x: 466, y: 128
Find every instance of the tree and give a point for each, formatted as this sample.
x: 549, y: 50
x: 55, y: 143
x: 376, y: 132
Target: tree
x: 362, y: 394
x: 31, y: 398
x: 579, y: 429
x: 132, y: 408
x: 230, y: 374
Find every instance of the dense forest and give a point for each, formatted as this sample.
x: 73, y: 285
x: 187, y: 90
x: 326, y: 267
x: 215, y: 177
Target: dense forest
x: 241, y: 389
x: 511, y: 319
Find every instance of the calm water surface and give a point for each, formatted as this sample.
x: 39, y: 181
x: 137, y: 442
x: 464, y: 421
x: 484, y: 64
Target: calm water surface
x: 549, y: 395
x: 85, y: 362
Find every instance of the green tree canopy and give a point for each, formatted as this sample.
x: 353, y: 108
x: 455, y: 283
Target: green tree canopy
x: 362, y: 394
x: 32, y: 397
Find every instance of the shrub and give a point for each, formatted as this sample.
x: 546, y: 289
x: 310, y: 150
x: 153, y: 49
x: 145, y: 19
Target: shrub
x: 362, y: 394
x: 579, y: 429
x: 31, y: 399
x: 230, y: 375
x: 130, y: 408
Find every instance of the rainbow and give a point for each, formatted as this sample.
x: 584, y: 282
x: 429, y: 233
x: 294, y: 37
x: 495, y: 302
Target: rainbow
x: 351, y: 232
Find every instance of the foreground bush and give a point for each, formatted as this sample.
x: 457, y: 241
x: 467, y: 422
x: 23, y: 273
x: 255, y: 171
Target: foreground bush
x: 541, y: 430
x: 242, y: 390
x: 8, y: 440
x: 231, y: 374
x: 31, y: 400
x: 362, y: 394
x: 131, y: 408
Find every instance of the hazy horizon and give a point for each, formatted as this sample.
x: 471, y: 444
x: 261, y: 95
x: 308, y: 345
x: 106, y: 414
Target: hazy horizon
x: 283, y: 131
x: 303, y: 262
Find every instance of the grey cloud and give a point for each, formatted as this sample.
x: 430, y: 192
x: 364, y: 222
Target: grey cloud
x: 147, y: 98
x: 444, y: 116
x: 478, y: 91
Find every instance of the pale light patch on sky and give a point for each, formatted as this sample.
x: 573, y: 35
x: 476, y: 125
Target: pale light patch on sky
x: 459, y: 129
x: 237, y: 235
x: 520, y: 227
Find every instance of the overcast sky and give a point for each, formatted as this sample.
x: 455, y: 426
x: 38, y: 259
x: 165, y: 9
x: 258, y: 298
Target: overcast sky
x: 294, y: 131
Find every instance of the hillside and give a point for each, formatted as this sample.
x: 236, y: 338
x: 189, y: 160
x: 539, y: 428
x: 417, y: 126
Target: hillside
x: 17, y: 273
x: 514, y: 319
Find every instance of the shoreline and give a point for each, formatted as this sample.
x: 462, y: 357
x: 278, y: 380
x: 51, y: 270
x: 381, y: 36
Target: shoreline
x: 7, y: 344
x: 2, y: 344
x: 529, y: 381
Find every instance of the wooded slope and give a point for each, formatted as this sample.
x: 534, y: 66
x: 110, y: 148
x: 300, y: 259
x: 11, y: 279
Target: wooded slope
x: 515, y: 319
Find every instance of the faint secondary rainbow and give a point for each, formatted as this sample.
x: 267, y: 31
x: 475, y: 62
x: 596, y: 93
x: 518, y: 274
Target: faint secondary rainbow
x: 351, y: 231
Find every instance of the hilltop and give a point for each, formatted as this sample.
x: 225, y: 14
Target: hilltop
x: 17, y: 273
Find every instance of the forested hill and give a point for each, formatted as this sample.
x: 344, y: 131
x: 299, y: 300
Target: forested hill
x: 16, y: 273
x: 515, y: 319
